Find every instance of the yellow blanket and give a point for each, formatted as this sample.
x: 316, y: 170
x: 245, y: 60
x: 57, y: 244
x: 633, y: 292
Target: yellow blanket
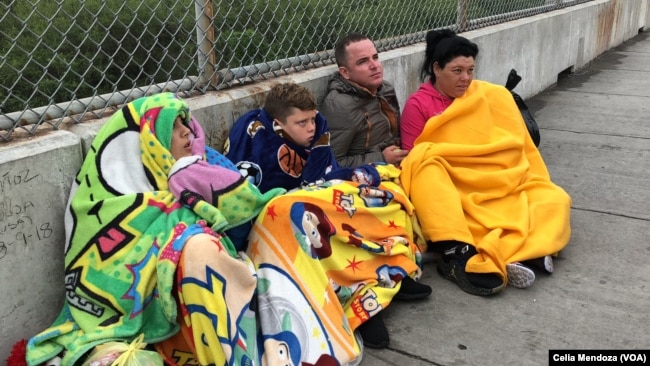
x: 475, y: 175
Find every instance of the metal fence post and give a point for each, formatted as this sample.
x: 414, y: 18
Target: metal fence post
x: 205, y: 40
x: 461, y: 19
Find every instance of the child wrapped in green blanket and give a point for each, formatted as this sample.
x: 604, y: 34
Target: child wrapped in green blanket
x: 144, y: 235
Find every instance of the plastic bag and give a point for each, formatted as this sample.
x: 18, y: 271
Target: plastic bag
x: 531, y: 124
x: 123, y: 354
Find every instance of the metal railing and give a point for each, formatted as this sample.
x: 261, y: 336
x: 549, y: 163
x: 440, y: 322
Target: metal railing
x: 69, y: 61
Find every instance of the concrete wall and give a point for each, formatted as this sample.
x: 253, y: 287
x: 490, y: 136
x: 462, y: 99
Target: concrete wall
x: 35, y: 177
x: 36, y: 173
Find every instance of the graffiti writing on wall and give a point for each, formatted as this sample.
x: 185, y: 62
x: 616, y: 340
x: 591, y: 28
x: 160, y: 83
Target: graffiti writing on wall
x: 18, y: 223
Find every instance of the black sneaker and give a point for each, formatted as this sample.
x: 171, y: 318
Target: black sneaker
x: 544, y: 264
x: 411, y: 290
x: 452, y: 267
x: 374, y: 332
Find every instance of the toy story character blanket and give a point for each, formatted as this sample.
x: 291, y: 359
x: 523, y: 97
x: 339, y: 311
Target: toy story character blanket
x: 475, y: 175
x: 350, y: 243
x: 127, y: 234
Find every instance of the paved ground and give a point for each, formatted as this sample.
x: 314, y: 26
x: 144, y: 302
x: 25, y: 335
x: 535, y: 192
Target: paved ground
x: 595, y: 127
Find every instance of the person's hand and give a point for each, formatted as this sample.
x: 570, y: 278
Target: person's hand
x: 394, y: 155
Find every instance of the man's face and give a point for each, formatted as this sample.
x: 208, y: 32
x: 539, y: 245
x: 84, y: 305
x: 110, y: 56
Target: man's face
x: 362, y: 65
x: 300, y: 126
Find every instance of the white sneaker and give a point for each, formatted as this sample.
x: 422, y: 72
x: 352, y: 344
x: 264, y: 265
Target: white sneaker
x: 519, y: 276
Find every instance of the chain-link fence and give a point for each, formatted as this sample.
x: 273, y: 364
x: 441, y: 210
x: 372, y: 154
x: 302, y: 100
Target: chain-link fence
x: 73, y: 60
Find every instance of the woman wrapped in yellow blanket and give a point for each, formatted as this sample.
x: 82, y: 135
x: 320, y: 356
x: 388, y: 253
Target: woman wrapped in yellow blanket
x: 482, y: 192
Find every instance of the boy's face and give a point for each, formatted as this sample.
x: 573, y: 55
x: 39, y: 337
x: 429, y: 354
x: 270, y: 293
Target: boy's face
x: 300, y: 126
x: 363, y: 65
x: 181, y: 143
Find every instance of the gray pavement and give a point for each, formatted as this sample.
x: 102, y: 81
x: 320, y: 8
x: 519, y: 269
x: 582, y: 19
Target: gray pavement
x: 595, y: 128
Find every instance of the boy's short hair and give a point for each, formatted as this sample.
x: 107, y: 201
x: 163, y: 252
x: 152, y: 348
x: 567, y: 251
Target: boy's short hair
x: 283, y: 97
x: 340, y: 52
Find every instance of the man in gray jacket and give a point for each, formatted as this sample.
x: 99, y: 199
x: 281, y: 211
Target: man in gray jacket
x: 362, y: 113
x: 361, y: 108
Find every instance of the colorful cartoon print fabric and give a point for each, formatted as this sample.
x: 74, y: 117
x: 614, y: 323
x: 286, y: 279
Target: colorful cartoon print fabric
x: 138, y: 261
x: 126, y: 232
x: 329, y: 257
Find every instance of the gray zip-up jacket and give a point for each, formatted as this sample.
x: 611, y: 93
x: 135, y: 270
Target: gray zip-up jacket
x: 361, y: 124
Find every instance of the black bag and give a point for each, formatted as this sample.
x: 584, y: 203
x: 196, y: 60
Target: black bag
x: 531, y: 124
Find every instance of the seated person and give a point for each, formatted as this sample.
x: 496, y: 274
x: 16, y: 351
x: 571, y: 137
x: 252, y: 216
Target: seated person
x: 147, y: 258
x: 287, y: 143
x: 361, y: 107
x: 481, y: 190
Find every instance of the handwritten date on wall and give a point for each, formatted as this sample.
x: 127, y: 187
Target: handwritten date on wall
x: 18, y: 227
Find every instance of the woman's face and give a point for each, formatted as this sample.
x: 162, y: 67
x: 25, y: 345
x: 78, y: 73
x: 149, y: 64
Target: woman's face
x: 454, y: 79
x: 181, y: 143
